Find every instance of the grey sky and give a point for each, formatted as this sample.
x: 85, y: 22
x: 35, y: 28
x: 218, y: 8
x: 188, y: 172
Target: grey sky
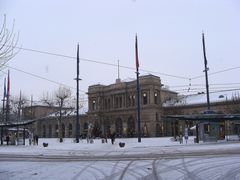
x: 169, y: 37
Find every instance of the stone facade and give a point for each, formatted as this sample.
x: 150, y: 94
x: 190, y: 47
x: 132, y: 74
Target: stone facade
x: 115, y: 106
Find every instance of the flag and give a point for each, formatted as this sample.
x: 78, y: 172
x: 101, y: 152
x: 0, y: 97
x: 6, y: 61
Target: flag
x: 136, y: 48
x: 204, y: 50
x: 77, y: 59
x: 5, y: 90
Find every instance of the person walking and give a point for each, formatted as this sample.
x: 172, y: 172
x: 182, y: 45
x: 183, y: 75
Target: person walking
x: 180, y: 139
x: 186, y: 135
x: 113, y: 138
x: 30, y: 138
x: 7, y: 139
x: 36, y: 138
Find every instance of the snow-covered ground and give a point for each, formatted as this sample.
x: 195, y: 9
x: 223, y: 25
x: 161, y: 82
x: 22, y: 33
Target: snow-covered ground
x: 155, y: 165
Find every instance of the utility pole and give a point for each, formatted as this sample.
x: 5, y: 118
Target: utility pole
x: 3, y: 119
x: 77, y: 93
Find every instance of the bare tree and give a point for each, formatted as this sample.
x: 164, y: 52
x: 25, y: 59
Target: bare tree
x: 17, y: 103
x: 61, y: 98
x: 62, y: 95
x: 48, y: 99
x: 8, y: 43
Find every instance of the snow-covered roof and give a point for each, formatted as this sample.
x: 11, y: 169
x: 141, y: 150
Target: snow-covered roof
x: 201, y: 98
x: 66, y: 113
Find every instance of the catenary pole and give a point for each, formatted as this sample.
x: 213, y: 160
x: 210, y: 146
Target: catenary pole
x: 138, y: 93
x: 77, y: 103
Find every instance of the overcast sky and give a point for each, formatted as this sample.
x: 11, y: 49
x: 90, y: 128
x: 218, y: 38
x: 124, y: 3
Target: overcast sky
x: 169, y: 40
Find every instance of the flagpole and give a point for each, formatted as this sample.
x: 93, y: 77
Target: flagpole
x: 138, y: 93
x: 206, y: 71
x: 3, y: 110
x: 8, y: 94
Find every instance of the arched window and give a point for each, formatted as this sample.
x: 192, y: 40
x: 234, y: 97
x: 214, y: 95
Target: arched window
x: 44, y: 131
x: 131, y: 127
x: 145, y: 98
x: 69, y: 130
x: 133, y: 100
x: 157, y: 116
x: 85, y: 125
x: 119, y: 127
x: 50, y: 131
x: 120, y: 102
x: 158, y: 130
x: 56, y: 130
x: 63, y: 130
x: 156, y: 97
x: 93, y: 105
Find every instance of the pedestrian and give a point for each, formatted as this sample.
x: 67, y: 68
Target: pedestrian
x: 36, y: 139
x: 186, y: 138
x: 186, y: 135
x: 113, y: 138
x: 30, y: 138
x: 7, y: 139
x: 105, y: 137
x: 180, y: 139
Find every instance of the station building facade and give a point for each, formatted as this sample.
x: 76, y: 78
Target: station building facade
x: 112, y: 109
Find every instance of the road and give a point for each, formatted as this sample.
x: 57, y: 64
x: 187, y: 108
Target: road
x: 217, y: 164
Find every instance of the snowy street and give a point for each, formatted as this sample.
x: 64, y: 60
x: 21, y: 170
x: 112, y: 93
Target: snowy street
x: 154, y: 158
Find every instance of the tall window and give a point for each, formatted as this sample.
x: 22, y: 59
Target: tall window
x: 133, y: 100
x: 157, y: 117
x: 69, y: 130
x: 56, y: 130
x: 44, y: 131
x: 105, y: 104
x: 63, y: 130
x: 50, y: 131
x: 145, y: 98
x: 156, y: 97
x: 109, y: 103
x: 120, y: 102
x: 129, y: 101
x: 116, y: 102
x: 93, y: 105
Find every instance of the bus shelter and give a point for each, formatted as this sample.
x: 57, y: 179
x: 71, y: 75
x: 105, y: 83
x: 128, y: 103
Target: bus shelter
x: 16, y: 128
x: 210, y: 126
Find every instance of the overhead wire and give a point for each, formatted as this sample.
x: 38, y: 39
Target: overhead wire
x: 110, y: 64
x: 100, y: 62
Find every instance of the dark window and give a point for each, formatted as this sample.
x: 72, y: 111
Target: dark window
x: 85, y: 125
x: 145, y: 98
x: 69, y: 130
x: 63, y: 130
x: 129, y: 101
x: 44, y: 131
x: 116, y: 102
x: 50, y: 131
x: 105, y: 104
x: 93, y: 105
x: 156, y: 97
x: 133, y: 100
x: 120, y: 102
x: 108, y: 103
x: 56, y: 130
